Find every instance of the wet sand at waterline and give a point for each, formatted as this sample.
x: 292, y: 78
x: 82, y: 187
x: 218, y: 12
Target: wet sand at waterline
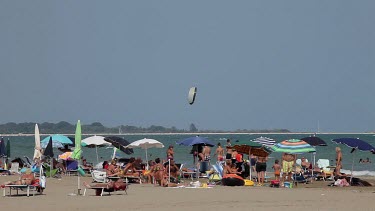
x: 315, y: 196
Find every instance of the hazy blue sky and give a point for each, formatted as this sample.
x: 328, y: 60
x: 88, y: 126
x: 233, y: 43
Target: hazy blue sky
x: 257, y: 64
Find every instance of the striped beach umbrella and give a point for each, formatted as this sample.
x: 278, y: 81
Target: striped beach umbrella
x: 265, y: 141
x: 293, y: 146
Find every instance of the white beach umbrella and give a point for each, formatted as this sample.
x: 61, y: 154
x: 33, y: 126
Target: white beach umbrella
x: 37, y: 150
x: 145, y: 144
x: 95, y: 141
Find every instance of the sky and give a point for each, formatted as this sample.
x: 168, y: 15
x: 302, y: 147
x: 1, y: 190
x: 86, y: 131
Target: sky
x: 298, y: 65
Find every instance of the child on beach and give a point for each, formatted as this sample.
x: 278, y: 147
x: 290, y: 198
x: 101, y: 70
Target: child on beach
x: 277, y: 169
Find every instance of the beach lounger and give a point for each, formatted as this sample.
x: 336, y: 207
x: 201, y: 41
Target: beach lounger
x: 99, y: 176
x: 327, y: 172
x: 71, y: 167
x: 100, y: 190
x: 37, y: 187
x: 14, y: 169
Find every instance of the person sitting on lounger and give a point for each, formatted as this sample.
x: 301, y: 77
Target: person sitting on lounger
x: 113, y: 170
x: 174, y: 169
x: 130, y: 169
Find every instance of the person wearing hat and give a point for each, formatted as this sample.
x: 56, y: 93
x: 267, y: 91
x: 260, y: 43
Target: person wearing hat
x: 170, y: 153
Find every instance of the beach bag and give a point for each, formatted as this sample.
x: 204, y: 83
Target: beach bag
x: 42, y: 182
x: 275, y: 184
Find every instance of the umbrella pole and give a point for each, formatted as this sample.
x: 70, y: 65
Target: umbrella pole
x: 51, y: 168
x: 97, y: 156
x: 351, y: 174
x: 146, y: 160
x: 251, y: 178
x: 169, y: 171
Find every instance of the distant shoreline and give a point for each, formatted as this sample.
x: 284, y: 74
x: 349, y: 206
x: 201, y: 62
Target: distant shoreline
x: 226, y: 133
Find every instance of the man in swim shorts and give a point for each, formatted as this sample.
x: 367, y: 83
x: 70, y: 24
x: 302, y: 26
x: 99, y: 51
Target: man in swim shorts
x: 288, y: 161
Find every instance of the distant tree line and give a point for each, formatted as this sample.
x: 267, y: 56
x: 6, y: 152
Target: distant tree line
x: 98, y: 128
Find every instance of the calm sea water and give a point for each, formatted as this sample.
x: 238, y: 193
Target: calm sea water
x: 24, y: 146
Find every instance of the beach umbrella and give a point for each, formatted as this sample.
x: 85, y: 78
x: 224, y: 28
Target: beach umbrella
x: 76, y: 155
x: 2, y: 148
x: 65, y: 156
x: 293, y: 146
x: 354, y: 143
x: 119, y: 143
x: 265, y: 141
x: 55, y: 144
x: 251, y: 147
x: 60, y: 138
x: 95, y: 141
x: 314, y: 141
x: 196, y: 140
x: 48, y: 151
x: 78, y: 136
x: 8, y: 148
x: 146, y: 144
x: 37, y: 150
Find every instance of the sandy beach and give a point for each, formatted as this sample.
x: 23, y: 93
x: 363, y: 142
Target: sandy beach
x: 316, y: 196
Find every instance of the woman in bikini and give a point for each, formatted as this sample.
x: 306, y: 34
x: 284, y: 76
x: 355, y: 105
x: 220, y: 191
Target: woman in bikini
x: 158, y: 172
x: 170, y: 153
x: 130, y: 169
x: 113, y: 170
x: 338, y: 161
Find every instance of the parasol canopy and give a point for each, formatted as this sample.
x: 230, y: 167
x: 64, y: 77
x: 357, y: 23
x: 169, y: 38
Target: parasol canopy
x: 119, y: 143
x: 314, y: 141
x: 196, y: 140
x: 355, y: 143
x: 293, y: 146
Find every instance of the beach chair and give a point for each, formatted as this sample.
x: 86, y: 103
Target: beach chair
x: 326, y: 172
x: 71, y: 167
x: 217, y: 175
x: 99, y: 176
x: 14, y: 169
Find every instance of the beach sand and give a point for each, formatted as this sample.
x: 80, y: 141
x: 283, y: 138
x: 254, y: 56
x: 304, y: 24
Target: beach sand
x: 315, y: 196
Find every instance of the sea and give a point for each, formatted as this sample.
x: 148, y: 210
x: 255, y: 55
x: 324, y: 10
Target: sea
x: 24, y: 146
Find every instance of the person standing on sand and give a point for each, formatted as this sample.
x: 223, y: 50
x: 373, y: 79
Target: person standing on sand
x: 288, y: 161
x: 338, y: 161
x: 261, y: 167
x: 229, y: 149
x: 219, y: 152
x: 170, y: 152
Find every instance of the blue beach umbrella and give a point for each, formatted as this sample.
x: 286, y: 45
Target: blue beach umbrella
x: 196, y: 140
x: 354, y: 143
x: 60, y: 138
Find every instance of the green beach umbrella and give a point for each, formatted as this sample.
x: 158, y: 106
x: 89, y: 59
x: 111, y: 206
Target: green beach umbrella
x: 293, y: 146
x: 76, y: 155
x: 8, y: 148
x: 78, y: 137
